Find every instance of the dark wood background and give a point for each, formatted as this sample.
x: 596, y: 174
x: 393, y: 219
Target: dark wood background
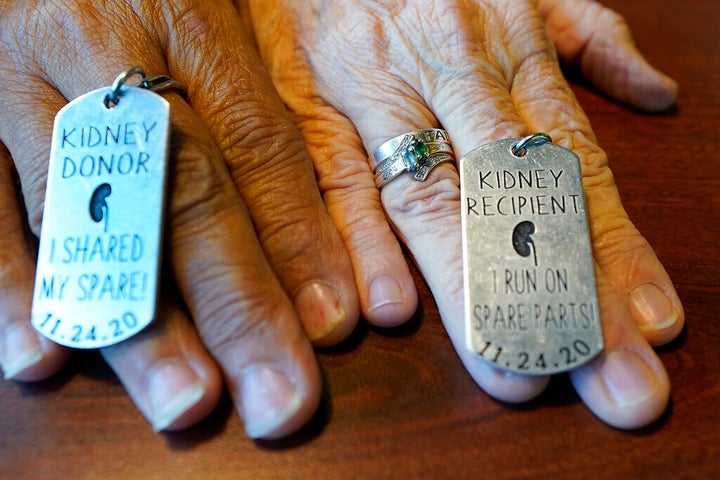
x: 399, y: 404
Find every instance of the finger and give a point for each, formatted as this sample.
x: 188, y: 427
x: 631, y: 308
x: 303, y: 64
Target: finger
x: 271, y: 167
x: 627, y: 385
x: 24, y: 355
x: 599, y: 41
x: 387, y: 293
x: 427, y: 219
x: 241, y: 311
x: 490, y: 115
x: 385, y: 287
x: 548, y: 104
x: 167, y: 372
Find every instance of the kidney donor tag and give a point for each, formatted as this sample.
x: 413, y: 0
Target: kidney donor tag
x: 99, y: 259
x: 530, y: 300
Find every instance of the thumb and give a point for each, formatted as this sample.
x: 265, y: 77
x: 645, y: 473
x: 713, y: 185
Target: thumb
x: 599, y: 41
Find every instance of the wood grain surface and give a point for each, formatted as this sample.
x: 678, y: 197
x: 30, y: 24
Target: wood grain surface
x: 398, y: 404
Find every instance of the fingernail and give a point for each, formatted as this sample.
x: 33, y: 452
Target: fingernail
x: 384, y: 290
x: 21, y: 350
x: 628, y: 378
x: 320, y: 308
x: 267, y: 398
x: 174, y: 388
x: 652, y: 308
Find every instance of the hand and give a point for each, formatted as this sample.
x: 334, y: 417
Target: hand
x: 251, y: 248
x: 358, y: 73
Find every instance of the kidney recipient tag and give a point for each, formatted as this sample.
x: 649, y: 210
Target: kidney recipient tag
x: 530, y: 300
x: 98, y: 264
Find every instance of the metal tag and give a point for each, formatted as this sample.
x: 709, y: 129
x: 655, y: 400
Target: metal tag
x: 530, y: 300
x: 98, y: 264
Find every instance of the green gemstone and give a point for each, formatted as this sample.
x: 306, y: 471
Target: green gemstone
x: 415, y: 154
x: 420, y: 149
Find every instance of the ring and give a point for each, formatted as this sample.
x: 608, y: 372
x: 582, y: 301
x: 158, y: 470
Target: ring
x: 531, y: 141
x: 416, y: 152
x: 156, y: 83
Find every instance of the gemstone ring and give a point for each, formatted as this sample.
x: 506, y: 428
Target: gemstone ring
x: 416, y: 152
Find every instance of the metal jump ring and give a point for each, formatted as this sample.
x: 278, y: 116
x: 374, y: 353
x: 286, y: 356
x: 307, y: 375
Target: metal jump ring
x: 531, y: 141
x: 158, y: 83
x: 155, y: 83
x: 113, y: 97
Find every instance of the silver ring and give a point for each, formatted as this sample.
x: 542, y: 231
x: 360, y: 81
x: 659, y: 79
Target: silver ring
x: 427, y: 135
x: 156, y: 83
x: 417, y: 152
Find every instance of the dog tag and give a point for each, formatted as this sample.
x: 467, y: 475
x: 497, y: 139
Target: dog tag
x: 530, y: 299
x: 99, y: 259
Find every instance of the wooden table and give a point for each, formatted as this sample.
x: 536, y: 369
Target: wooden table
x: 399, y: 404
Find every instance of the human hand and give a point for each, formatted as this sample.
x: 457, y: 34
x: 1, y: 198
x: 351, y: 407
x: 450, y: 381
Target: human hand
x: 245, y: 221
x: 355, y: 74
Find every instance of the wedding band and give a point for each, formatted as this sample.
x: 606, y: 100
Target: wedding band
x: 427, y: 135
x: 416, y: 152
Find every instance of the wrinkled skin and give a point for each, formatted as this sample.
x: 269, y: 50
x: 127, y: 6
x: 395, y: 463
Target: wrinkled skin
x: 357, y: 73
x: 237, y: 161
x: 251, y: 249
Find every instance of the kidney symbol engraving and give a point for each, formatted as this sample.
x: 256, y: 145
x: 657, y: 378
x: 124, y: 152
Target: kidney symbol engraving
x: 522, y: 240
x: 99, y: 208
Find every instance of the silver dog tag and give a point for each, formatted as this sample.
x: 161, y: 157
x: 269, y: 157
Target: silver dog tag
x: 530, y: 300
x: 100, y: 249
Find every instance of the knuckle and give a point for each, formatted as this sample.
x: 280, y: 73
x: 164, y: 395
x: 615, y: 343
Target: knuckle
x: 618, y: 245
x: 200, y: 188
x: 280, y: 159
x: 578, y: 138
x: 194, y: 20
x: 595, y: 172
x: 294, y: 234
x: 358, y: 214
x: 338, y: 156
x: 611, y: 20
x: 366, y: 237
x: 16, y: 268
x: 262, y: 146
x: 595, y: 169
x: 228, y: 317
x: 346, y: 178
x: 14, y: 271
x: 425, y: 201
